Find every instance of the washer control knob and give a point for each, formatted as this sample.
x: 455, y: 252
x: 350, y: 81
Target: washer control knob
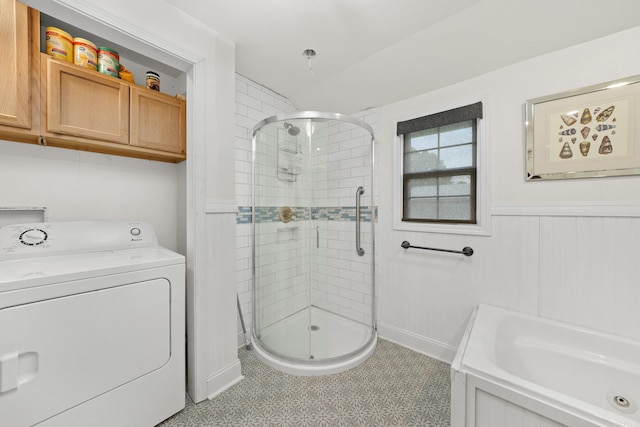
x: 135, y: 231
x: 33, y: 237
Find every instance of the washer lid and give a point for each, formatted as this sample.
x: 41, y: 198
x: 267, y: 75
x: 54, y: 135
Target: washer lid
x: 32, y: 272
x: 19, y: 241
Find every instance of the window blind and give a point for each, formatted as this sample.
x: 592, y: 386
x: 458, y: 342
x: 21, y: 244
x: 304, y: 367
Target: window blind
x: 460, y: 114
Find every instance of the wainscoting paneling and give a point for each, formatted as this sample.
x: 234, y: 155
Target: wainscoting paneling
x: 509, y: 267
x: 492, y: 411
x: 581, y: 270
x: 589, y: 269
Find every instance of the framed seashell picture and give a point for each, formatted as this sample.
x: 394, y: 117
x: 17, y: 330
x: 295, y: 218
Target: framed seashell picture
x: 584, y: 133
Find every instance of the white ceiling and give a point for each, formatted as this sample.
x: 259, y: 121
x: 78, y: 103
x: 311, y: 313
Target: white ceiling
x: 375, y: 52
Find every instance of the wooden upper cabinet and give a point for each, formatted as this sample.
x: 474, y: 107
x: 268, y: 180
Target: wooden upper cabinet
x: 85, y: 103
x: 14, y: 79
x: 158, y: 121
x: 52, y: 102
x: 17, y: 75
x: 86, y: 110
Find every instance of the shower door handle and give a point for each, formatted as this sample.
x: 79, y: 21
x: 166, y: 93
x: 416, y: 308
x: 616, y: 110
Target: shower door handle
x: 359, y: 193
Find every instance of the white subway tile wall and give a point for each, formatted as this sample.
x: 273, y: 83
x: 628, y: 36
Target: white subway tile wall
x: 282, y: 249
x: 321, y: 193
x: 341, y: 279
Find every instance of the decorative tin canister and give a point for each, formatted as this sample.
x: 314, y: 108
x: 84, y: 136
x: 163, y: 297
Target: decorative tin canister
x: 85, y: 53
x: 59, y: 44
x: 153, y: 81
x: 108, y: 62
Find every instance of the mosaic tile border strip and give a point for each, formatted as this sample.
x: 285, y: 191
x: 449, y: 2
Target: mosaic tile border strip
x: 244, y: 215
x: 341, y: 213
x: 270, y: 214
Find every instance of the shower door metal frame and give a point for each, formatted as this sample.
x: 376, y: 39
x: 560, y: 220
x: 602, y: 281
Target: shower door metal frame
x: 317, y: 116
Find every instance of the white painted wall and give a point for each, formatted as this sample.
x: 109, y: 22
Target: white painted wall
x: 559, y: 249
x: 78, y: 185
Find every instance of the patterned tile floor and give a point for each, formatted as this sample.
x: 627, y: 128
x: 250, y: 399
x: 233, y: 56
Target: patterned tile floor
x: 395, y: 387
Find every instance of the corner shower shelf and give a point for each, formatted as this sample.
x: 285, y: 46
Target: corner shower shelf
x: 289, y: 157
x: 289, y: 149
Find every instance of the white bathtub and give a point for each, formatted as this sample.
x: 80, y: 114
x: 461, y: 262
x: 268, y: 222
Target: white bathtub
x: 514, y: 370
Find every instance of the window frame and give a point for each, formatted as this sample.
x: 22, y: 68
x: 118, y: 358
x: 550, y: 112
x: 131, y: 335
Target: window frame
x: 482, y: 225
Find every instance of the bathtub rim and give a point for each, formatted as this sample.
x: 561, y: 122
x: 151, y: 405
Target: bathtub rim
x: 487, y: 372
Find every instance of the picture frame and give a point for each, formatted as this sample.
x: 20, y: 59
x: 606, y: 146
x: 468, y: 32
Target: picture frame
x: 589, y: 132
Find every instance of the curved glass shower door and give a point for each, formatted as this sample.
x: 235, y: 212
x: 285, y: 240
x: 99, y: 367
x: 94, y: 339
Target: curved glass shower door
x: 313, y: 287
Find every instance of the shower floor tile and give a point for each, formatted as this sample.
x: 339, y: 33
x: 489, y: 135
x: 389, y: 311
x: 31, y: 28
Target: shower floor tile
x: 394, y: 387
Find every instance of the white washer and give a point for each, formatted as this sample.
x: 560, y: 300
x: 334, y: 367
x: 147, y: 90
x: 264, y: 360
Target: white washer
x: 92, y: 329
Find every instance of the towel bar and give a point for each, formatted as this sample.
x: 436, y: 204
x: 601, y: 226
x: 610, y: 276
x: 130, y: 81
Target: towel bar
x: 466, y: 251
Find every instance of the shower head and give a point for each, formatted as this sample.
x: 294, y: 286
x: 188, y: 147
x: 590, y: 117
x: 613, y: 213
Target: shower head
x: 291, y: 129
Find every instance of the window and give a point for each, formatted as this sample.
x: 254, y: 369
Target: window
x: 440, y: 166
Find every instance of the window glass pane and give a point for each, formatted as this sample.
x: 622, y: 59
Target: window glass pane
x: 455, y: 208
x: 460, y: 156
x: 459, y: 185
x: 422, y: 188
x: 422, y: 161
x: 423, y: 140
x: 430, y: 194
x: 457, y: 133
x: 423, y: 208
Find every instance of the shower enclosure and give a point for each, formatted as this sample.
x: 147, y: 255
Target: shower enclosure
x: 313, y: 242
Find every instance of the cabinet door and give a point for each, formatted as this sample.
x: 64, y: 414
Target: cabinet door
x: 158, y: 121
x: 15, y: 88
x: 85, y: 103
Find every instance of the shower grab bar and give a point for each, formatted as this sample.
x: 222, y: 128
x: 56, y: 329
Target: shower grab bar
x: 466, y: 251
x: 359, y: 193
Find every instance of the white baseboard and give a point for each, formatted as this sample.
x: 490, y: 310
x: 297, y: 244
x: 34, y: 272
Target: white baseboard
x: 223, y: 379
x: 424, y: 345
